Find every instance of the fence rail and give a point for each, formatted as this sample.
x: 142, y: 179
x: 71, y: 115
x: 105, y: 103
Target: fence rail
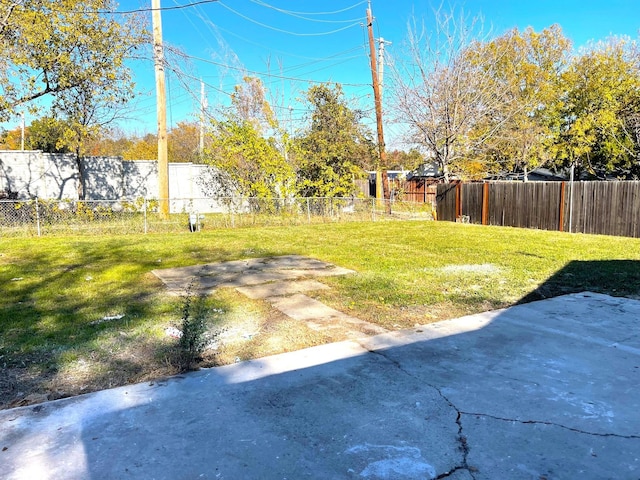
x: 39, y: 217
x: 607, y: 208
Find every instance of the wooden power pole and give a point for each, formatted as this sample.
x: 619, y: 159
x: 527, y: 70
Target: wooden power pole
x: 161, y: 100
x: 378, y: 103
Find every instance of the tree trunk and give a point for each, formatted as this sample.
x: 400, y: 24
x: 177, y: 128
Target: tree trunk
x: 81, y: 176
x: 445, y: 173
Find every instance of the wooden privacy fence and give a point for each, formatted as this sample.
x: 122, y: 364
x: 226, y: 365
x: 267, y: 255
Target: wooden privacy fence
x: 607, y: 208
x: 415, y: 190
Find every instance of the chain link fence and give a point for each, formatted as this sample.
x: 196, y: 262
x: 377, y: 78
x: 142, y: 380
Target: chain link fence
x: 39, y: 217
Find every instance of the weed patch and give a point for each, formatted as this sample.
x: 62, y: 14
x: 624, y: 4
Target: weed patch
x: 195, y: 334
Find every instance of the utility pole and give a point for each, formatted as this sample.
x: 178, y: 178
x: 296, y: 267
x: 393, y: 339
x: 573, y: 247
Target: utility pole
x: 161, y: 101
x: 378, y: 104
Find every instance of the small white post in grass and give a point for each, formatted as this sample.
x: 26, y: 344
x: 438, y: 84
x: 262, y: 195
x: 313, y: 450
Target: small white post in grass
x: 308, y: 212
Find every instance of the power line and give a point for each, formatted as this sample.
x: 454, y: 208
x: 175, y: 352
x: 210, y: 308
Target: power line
x: 190, y: 20
x: 263, y: 74
x: 213, y: 28
x: 262, y: 45
x: 151, y: 9
x: 325, y: 59
x: 249, y: 19
x: 302, y: 15
x: 264, y: 4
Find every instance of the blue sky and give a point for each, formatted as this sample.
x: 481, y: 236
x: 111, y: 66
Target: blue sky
x: 291, y: 43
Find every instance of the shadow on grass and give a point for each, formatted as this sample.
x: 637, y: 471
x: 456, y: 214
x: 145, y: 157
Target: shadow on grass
x: 618, y: 278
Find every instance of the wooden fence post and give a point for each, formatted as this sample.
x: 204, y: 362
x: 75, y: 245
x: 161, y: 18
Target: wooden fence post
x: 485, y: 204
x: 561, y: 221
x: 458, y: 200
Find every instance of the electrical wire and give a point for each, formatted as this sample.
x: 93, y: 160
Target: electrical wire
x: 297, y: 34
x: 264, y: 4
x: 325, y: 59
x: 261, y: 45
x: 301, y: 16
x: 150, y: 9
x: 187, y: 87
x: 263, y: 74
x: 213, y: 27
x: 193, y: 24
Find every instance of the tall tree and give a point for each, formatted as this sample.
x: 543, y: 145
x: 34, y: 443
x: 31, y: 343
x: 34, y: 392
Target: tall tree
x: 599, y: 132
x: 335, y: 146
x: 74, y: 52
x: 87, y: 110
x: 242, y: 147
x: 250, y: 105
x: 47, y: 134
x: 183, y: 143
x: 527, y: 68
x: 47, y: 48
x: 440, y: 93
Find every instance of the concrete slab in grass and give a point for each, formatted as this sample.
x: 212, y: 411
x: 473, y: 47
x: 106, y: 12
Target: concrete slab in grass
x: 278, y: 289
x: 322, y: 317
x: 237, y: 273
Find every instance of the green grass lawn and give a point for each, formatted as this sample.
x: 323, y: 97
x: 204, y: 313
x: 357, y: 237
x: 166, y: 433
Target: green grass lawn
x: 59, y: 334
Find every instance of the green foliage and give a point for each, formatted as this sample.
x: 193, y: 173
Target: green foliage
x: 47, y: 134
x: 254, y: 164
x: 55, y: 48
x: 401, y: 160
x: 243, y: 147
x: 599, y: 132
x: 71, y: 52
x: 526, y: 69
x: 334, y: 149
x: 520, y: 100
